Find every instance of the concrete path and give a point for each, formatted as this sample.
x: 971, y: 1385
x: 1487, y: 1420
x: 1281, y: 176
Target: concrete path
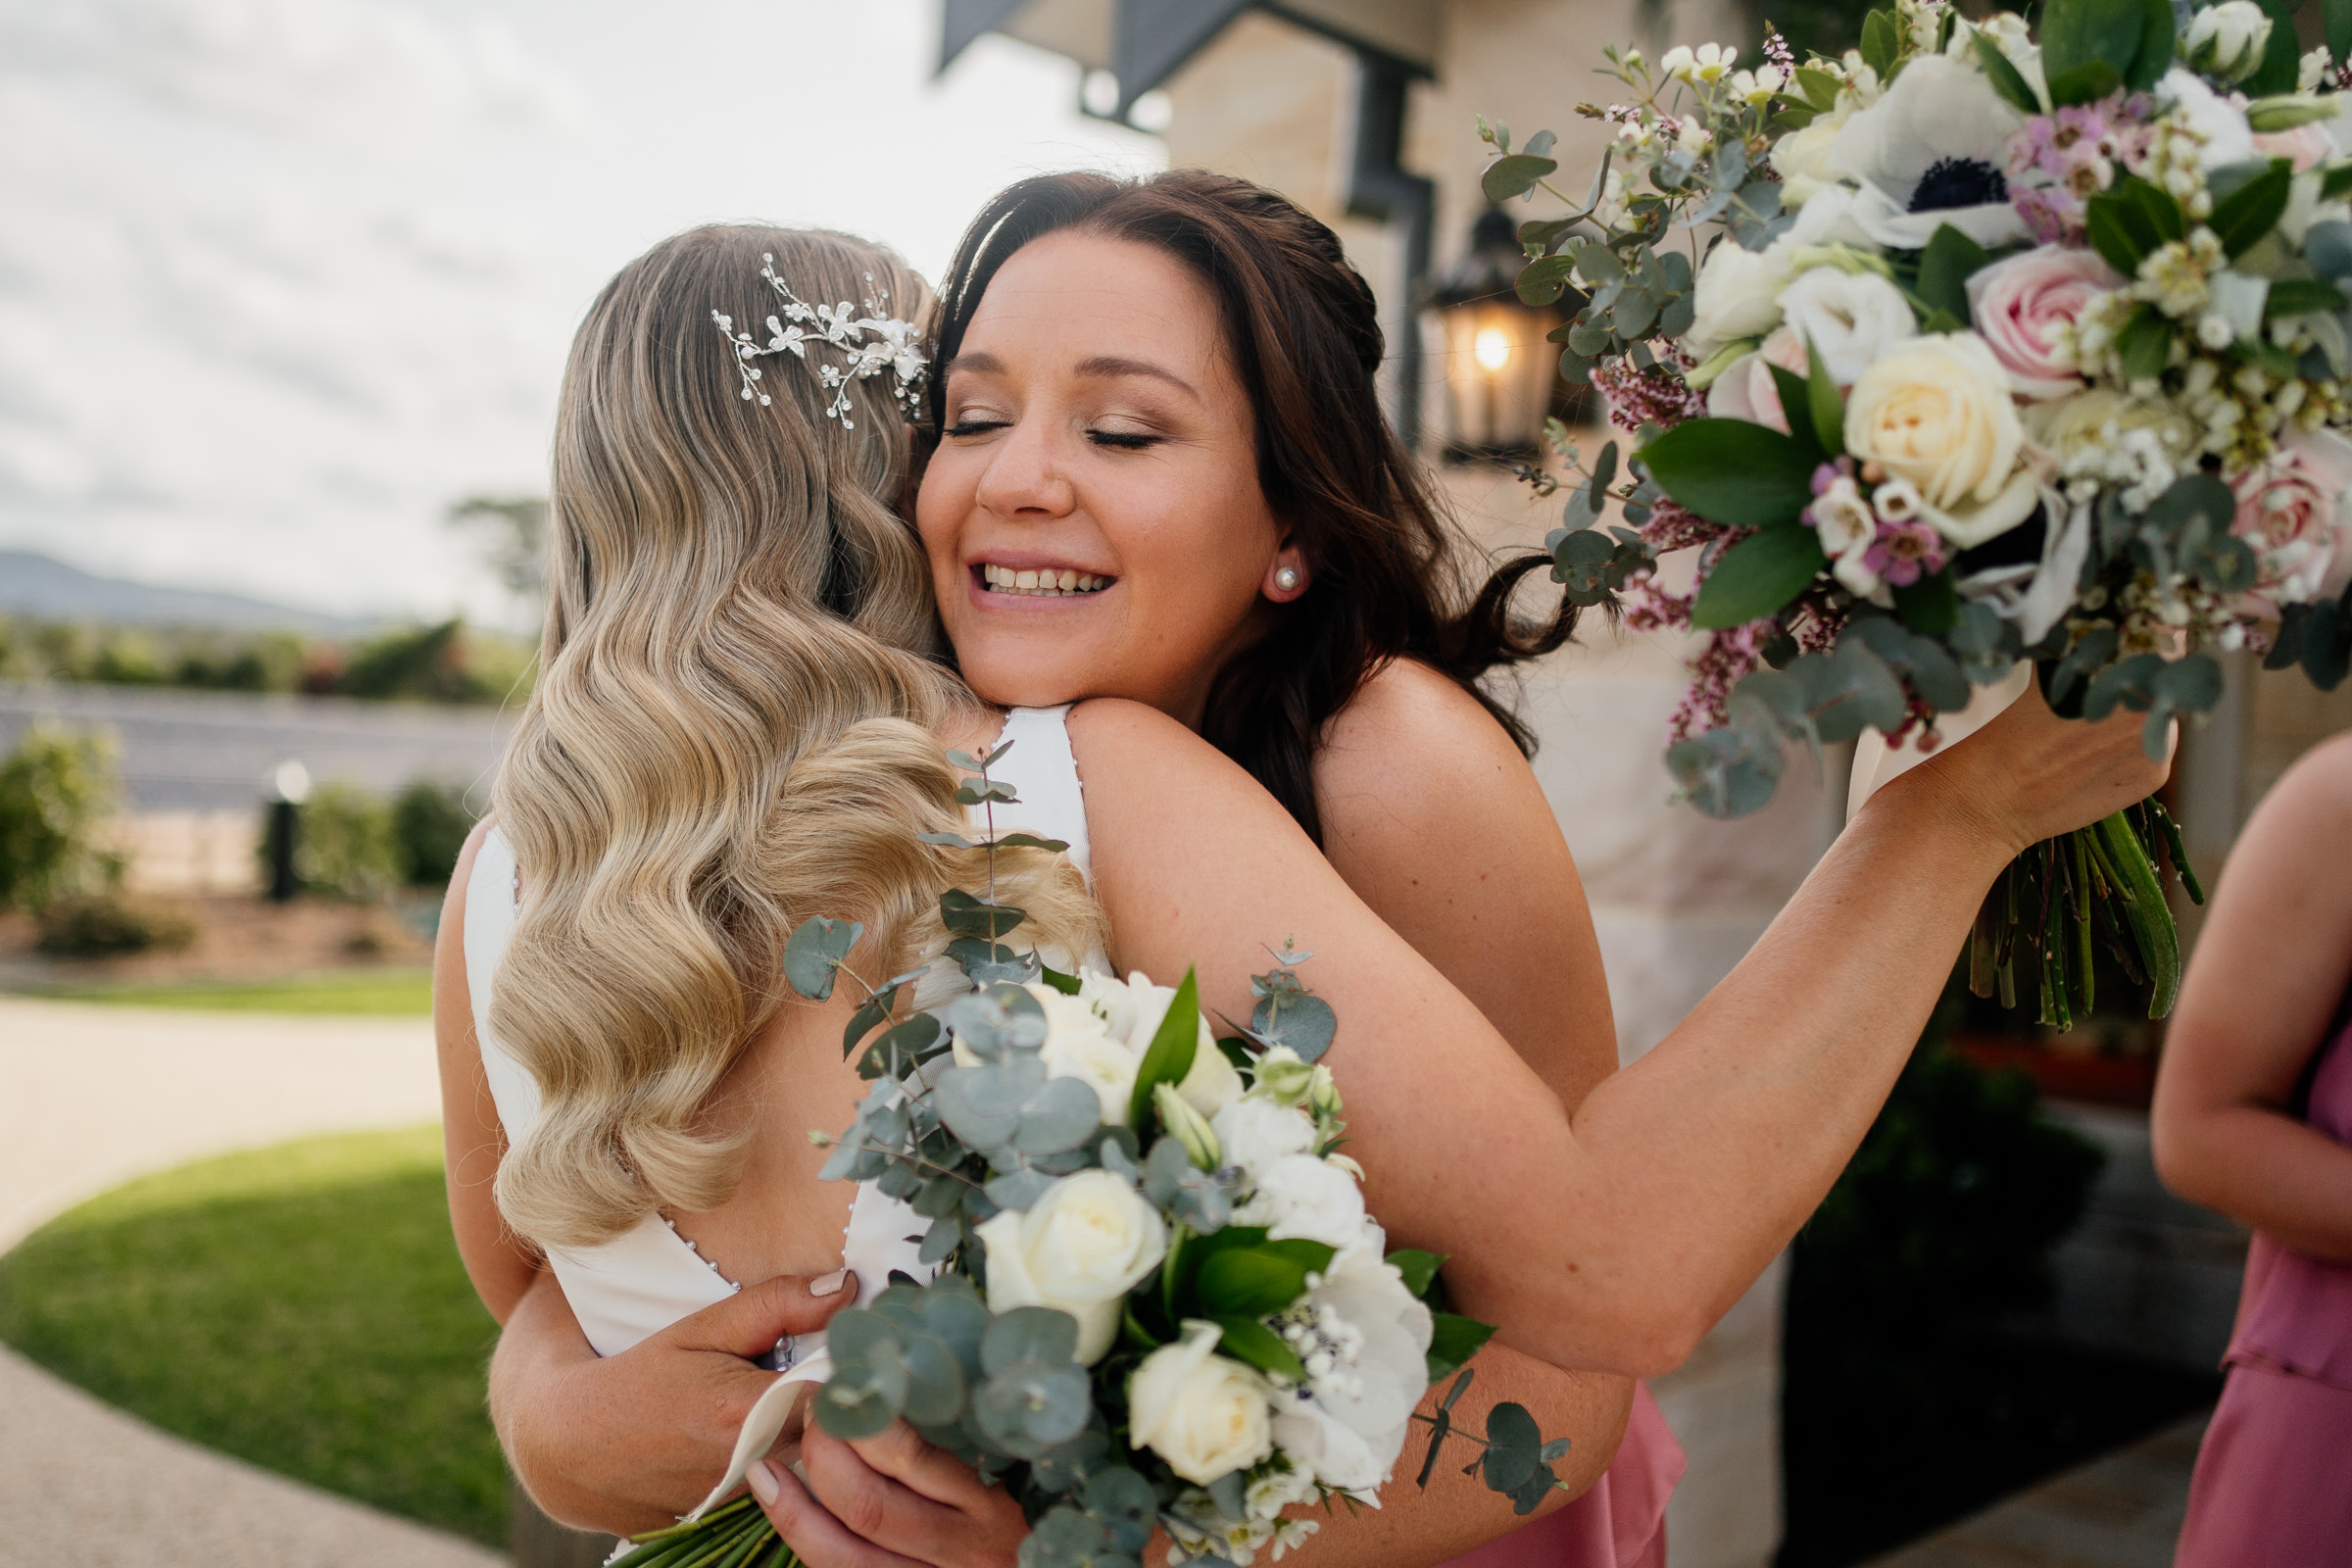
x: 2122, y: 1512
x: 90, y: 1097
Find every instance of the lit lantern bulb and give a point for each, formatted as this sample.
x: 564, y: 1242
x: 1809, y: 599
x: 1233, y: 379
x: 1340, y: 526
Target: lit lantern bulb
x: 1491, y: 348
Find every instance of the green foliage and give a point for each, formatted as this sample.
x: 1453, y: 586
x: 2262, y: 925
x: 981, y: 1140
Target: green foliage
x: 442, y: 663
x: 1173, y: 1045
x: 107, y: 925
x: 1732, y: 471
x: 355, y: 993
x: 1758, y: 575
x: 347, y: 845
x: 429, y: 825
x: 428, y: 663
x: 299, y: 1308
x: 56, y: 788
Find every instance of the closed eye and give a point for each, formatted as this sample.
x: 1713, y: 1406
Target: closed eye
x: 1125, y: 440
x: 976, y: 427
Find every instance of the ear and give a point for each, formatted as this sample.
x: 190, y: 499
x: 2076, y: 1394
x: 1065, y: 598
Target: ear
x: 1286, y: 576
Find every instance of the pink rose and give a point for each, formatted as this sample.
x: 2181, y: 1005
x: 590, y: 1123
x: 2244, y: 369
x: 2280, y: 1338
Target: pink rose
x: 2025, y: 309
x: 1746, y: 390
x: 2291, y: 509
x: 2305, y: 145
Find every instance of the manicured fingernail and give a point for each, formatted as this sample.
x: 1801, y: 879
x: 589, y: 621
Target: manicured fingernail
x: 829, y: 1283
x: 763, y: 1478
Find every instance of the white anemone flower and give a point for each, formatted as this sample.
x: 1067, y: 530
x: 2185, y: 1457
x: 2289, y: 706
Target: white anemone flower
x: 1931, y: 152
x: 1348, y: 1425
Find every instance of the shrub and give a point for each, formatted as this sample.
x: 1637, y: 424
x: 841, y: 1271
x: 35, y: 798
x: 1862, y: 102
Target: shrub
x: 55, y: 789
x: 345, y: 846
x: 106, y: 925
x: 429, y: 823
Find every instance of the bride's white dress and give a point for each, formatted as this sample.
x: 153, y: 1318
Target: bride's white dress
x: 648, y: 1278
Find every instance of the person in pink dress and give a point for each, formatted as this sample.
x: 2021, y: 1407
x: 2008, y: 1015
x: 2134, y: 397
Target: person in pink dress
x: 2253, y: 1118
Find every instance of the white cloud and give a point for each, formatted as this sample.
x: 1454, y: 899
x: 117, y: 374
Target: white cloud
x: 281, y: 279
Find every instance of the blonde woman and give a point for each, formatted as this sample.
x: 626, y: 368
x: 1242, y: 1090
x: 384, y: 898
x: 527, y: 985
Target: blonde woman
x: 729, y: 735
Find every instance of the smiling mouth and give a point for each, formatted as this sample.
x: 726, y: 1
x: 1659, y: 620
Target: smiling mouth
x: 1042, y: 584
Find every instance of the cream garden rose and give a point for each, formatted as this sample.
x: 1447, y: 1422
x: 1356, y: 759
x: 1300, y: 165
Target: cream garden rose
x: 1937, y: 412
x: 1206, y: 1415
x: 1079, y: 1249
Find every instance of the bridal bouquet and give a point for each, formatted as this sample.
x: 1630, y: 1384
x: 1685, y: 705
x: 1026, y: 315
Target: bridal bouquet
x: 1967, y: 346
x: 1160, y: 1300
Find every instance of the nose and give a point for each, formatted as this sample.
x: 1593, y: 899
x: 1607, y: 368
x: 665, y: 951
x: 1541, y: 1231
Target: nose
x: 1024, y: 477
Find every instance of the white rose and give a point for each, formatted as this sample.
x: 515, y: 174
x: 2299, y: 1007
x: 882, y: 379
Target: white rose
x: 1204, y: 1414
x: 1302, y: 1196
x: 1255, y: 1133
x: 1132, y: 1009
x: 1351, y: 1425
x: 1736, y: 292
x: 1077, y: 1046
x: 2226, y: 40
x: 1800, y: 159
x: 1851, y: 319
x: 1079, y: 1249
x: 1937, y: 412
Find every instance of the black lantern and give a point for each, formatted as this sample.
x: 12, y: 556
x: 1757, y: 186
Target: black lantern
x: 1501, y: 376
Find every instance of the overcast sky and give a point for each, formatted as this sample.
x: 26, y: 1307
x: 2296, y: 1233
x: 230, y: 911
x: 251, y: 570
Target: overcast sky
x: 280, y: 279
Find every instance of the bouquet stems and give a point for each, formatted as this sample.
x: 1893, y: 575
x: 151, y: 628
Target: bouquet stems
x: 733, y: 1535
x: 2047, y: 906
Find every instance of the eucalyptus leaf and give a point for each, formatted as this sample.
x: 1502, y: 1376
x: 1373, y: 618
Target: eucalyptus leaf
x: 1028, y: 1334
x: 967, y: 916
x: 815, y: 952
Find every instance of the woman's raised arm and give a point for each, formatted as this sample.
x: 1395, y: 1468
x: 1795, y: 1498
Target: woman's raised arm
x: 1609, y: 1240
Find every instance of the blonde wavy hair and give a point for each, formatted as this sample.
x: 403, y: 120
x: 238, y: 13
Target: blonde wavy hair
x: 734, y: 728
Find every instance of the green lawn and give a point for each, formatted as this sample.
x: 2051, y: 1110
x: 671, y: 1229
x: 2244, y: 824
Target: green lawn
x: 302, y: 1307
x: 381, y: 993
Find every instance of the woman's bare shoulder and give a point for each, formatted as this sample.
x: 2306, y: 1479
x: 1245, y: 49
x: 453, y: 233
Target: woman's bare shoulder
x: 1414, y: 749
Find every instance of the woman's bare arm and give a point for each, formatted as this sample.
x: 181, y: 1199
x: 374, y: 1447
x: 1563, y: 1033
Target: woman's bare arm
x: 1435, y: 820
x: 2271, y: 968
x: 501, y: 1266
x: 1612, y: 1242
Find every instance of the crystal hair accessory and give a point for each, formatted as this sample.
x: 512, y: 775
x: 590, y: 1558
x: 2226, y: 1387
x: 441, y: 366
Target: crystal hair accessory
x: 869, y: 345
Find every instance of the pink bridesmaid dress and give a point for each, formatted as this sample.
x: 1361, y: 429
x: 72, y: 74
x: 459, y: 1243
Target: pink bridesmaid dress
x: 1620, y: 1523
x: 2273, y: 1480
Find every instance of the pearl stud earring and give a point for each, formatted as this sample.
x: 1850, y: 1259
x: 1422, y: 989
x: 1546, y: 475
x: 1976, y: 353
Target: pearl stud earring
x: 1287, y: 579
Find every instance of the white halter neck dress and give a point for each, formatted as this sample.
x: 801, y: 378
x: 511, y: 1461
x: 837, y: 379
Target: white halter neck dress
x: 650, y: 1276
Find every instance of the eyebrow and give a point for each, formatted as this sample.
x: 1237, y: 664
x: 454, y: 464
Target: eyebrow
x: 982, y: 363
x: 1108, y: 365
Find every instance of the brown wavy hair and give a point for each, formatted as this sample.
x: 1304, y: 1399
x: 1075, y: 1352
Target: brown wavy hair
x: 1390, y: 575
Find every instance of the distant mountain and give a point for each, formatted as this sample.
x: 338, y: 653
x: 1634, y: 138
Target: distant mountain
x: 50, y: 590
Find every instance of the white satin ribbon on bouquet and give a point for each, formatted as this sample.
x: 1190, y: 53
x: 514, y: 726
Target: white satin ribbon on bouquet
x: 763, y: 1426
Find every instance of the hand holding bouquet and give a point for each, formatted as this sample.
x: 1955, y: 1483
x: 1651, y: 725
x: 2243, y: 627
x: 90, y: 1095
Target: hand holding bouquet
x: 1160, y: 1300
x: 1986, y: 347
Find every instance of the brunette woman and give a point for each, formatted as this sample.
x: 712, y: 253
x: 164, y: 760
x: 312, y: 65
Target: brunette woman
x: 2253, y: 1118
